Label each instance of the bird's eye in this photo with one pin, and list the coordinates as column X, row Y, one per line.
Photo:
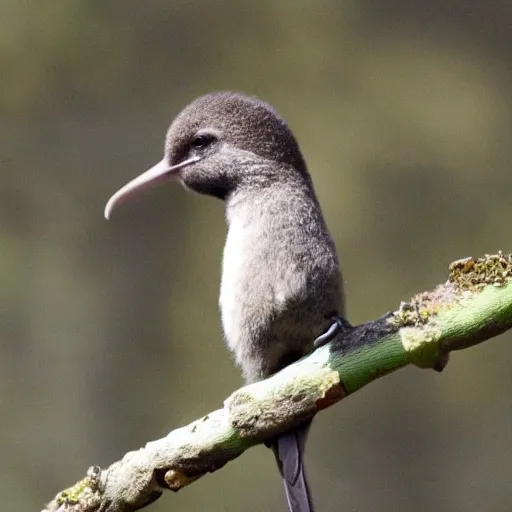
column 202, row 141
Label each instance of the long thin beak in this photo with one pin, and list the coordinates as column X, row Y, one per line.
column 148, row 179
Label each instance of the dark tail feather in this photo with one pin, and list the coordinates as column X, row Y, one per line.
column 289, row 452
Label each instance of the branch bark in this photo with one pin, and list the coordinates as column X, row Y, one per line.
column 473, row 305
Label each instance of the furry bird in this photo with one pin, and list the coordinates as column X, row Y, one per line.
column 281, row 282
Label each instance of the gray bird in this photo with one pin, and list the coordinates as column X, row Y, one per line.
column 281, row 283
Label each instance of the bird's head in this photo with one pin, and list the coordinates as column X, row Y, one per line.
column 219, row 143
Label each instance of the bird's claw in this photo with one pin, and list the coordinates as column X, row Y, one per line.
column 337, row 325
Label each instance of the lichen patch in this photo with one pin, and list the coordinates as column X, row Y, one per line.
column 474, row 274
column 467, row 276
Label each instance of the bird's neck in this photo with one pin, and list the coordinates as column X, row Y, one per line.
column 272, row 186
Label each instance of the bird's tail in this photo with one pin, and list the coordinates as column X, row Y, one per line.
column 289, row 452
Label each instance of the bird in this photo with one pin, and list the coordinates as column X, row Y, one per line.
column 281, row 291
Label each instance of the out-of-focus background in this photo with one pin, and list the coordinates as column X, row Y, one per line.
column 110, row 334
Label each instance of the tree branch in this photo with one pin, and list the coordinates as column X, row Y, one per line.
column 475, row 304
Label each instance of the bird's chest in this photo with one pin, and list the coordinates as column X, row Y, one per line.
column 235, row 266
column 254, row 287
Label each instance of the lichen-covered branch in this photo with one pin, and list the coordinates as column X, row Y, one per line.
column 473, row 305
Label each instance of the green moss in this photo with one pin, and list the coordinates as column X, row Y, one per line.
column 422, row 307
column 83, row 491
column 419, row 319
column 474, row 274
column 467, row 275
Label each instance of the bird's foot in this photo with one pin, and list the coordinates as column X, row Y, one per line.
column 338, row 324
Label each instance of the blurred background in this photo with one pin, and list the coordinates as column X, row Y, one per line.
column 110, row 334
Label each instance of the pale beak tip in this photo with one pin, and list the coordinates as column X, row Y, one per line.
column 108, row 209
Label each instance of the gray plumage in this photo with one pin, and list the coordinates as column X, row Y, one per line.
column 281, row 283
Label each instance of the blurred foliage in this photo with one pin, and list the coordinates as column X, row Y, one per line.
column 404, row 112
